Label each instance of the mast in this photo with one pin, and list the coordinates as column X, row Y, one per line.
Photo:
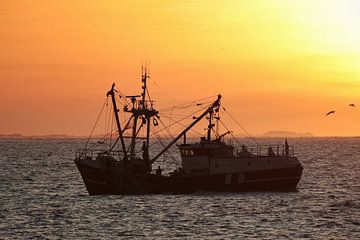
column 132, row 149
column 145, row 76
column 116, row 111
column 141, row 108
column 209, row 110
column 143, row 79
column 210, row 125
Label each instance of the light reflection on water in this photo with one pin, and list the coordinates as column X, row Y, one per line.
column 42, row 195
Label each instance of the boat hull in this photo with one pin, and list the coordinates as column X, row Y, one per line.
column 113, row 180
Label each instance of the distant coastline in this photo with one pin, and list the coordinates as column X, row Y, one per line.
column 278, row 133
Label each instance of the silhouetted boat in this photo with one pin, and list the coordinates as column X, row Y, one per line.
column 209, row 164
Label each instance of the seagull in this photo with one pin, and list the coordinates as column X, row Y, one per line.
column 352, row 105
column 331, row 112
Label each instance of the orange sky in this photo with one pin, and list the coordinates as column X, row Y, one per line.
column 279, row 64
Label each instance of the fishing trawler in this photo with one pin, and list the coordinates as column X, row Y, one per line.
column 208, row 164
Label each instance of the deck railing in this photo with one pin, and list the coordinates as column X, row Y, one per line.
column 93, row 153
column 267, row 150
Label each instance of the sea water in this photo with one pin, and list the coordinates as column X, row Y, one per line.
column 42, row 196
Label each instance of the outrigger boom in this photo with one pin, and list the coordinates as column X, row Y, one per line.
column 116, row 110
column 210, row 110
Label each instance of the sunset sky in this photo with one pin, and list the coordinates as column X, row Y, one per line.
column 279, row 64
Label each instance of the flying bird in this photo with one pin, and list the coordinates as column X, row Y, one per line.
column 331, row 112
column 352, row 105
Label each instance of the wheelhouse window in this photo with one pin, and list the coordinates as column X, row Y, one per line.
column 188, row 152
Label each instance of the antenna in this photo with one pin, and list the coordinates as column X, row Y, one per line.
column 143, row 80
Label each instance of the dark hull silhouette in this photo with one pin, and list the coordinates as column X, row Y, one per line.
column 113, row 180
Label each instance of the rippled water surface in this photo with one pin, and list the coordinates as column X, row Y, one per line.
column 42, row 196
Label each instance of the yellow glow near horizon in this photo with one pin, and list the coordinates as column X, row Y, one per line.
column 302, row 57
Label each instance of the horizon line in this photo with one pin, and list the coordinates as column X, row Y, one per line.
column 69, row 136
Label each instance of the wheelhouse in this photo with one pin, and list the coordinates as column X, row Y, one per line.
column 206, row 148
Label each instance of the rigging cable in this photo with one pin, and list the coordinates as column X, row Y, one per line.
column 183, row 125
column 188, row 104
column 164, row 91
column 174, row 161
column 230, row 133
column 186, row 117
column 96, row 122
column 167, row 129
column 246, row 132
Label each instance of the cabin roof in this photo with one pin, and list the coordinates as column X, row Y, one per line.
column 205, row 144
